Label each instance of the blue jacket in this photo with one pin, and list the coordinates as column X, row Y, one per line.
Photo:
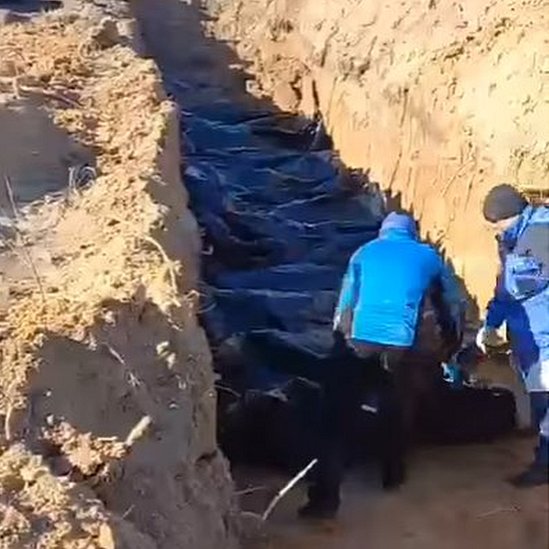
column 521, row 298
column 386, row 283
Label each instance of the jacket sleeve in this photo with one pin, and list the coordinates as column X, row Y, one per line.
column 449, row 305
column 496, row 313
column 498, row 307
column 451, row 293
column 348, row 296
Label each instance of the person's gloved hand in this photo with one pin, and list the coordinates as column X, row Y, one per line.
column 488, row 337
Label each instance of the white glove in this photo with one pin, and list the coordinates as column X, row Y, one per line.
column 488, row 337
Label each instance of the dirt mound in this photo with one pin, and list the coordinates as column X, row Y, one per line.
column 440, row 100
column 49, row 511
column 106, row 387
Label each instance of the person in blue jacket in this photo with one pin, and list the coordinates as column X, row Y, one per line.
column 389, row 287
column 521, row 300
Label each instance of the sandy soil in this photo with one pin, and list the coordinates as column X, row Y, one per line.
column 106, row 398
column 456, row 497
column 439, row 100
column 107, row 405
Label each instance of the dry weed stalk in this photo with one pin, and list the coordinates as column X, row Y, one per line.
column 132, row 378
column 167, row 261
column 20, row 248
column 7, row 422
column 45, row 93
column 77, row 176
column 251, row 490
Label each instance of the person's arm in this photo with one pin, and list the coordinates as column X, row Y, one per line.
column 449, row 305
column 348, row 296
column 496, row 312
column 451, row 292
column 498, row 307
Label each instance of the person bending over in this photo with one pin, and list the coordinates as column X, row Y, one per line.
column 521, row 300
column 390, row 290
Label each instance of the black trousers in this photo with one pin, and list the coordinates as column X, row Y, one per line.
column 399, row 383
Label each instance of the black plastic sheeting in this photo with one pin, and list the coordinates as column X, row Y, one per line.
column 280, row 218
column 279, row 226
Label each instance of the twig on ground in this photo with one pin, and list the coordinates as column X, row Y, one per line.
column 9, row 190
column 499, row 510
column 251, row 514
column 21, row 244
column 126, row 513
column 227, row 390
column 138, row 431
column 132, row 378
column 251, row 490
column 287, row 488
column 50, row 95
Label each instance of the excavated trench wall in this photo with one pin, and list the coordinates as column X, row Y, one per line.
column 107, row 404
column 440, row 101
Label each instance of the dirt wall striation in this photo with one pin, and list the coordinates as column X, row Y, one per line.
column 440, row 101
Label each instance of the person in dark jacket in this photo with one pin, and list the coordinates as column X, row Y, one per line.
column 391, row 286
column 521, row 300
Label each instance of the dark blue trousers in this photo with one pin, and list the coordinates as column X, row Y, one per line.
column 540, row 412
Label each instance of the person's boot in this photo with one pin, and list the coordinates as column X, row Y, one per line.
column 393, row 474
column 316, row 511
column 536, row 475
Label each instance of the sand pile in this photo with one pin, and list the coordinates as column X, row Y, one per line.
column 107, row 405
column 440, row 101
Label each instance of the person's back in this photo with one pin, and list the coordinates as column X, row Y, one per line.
column 387, row 283
column 377, row 321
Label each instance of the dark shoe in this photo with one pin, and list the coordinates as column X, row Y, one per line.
column 312, row 511
column 535, row 475
column 393, row 476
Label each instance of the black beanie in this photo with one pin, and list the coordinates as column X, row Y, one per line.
column 503, row 202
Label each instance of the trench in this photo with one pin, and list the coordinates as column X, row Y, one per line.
column 280, row 215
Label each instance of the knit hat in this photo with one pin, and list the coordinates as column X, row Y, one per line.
column 503, row 202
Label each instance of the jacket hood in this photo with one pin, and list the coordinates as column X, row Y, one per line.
column 399, row 223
